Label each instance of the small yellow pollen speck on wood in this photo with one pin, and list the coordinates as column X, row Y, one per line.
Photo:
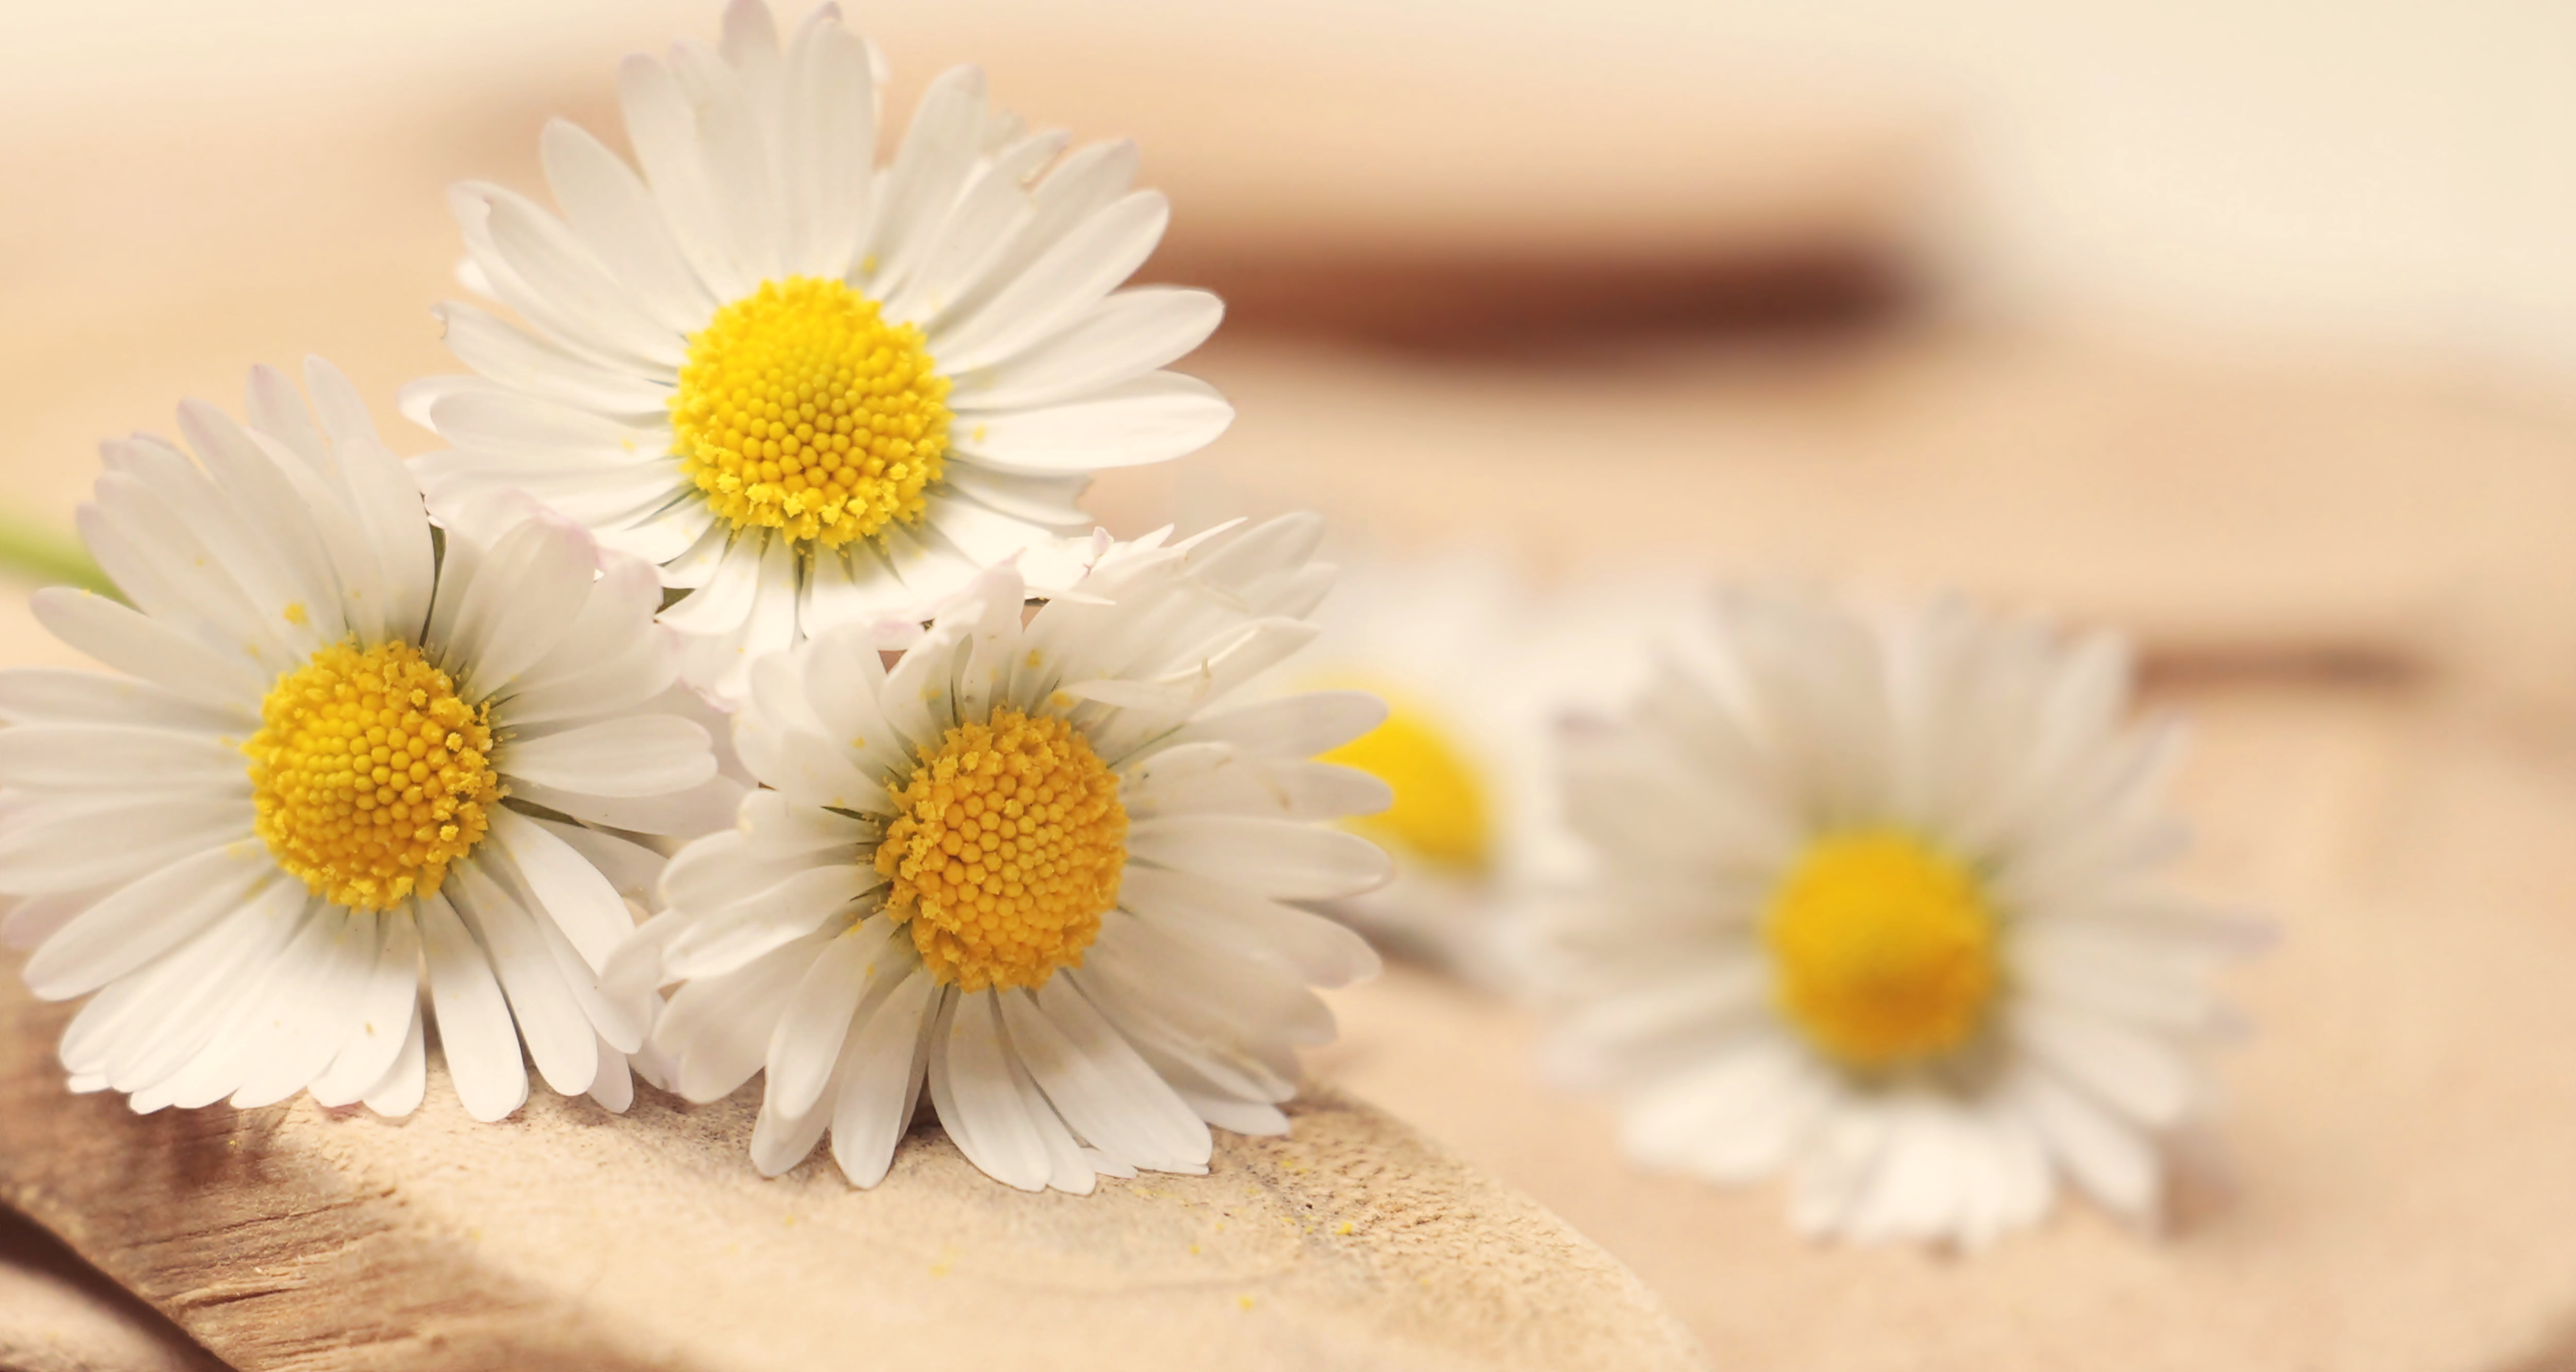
column 1007, row 847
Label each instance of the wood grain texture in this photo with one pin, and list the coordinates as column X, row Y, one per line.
column 58, row 1314
column 296, row 1238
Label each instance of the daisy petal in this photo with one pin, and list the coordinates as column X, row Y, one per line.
column 718, row 1028
column 387, row 1006
column 475, row 1031
column 636, row 755
column 613, row 213
column 1099, row 1084
column 886, row 1063
column 1116, row 340
column 313, row 1019
column 569, row 892
column 107, row 843
column 1075, row 274
column 76, row 758
column 559, row 1036
column 1153, row 418
column 663, row 132
column 143, row 920
column 979, row 1104
column 400, row 1090
column 1274, row 858
column 530, row 364
column 144, row 647
column 831, row 136
column 2105, row 1157
column 62, row 695
column 1296, row 726
column 806, row 1046
column 937, row 154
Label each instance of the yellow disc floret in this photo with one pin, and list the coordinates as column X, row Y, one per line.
column 1439, row 809
column 800, row 408
column 370, row 775
column 1883, row 949
column 1006, row 851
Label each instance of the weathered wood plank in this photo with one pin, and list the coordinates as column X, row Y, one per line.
column 57, row 1314
column 296, row 1238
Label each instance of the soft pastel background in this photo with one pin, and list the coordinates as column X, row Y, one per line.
column 2248, row 327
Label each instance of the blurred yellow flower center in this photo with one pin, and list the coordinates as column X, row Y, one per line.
column 800, row 408
column 370, row 775
column 1006, row 852
column 1439, row 810
column 1883, row 949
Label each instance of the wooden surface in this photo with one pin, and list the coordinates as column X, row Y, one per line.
column 2280, row 509
column 58, row 1314
column 296, row 1238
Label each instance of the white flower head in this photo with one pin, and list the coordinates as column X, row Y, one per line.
column 1041, row 869
column 1883, row 904
column 1476, row 664
column 343, row 763
column 813, row 390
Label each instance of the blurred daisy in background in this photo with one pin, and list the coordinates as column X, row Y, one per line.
column 1045, row 872
column 1882, row 904
column 813, row 390
column 344, row 761
column 1476, row 665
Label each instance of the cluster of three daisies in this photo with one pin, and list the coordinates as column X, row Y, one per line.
column 718, row 606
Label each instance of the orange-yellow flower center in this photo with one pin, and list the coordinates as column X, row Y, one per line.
column 1006, row 852
column 1439, row 811
column 800, row 408
column 370, row 775
column 1883, row 949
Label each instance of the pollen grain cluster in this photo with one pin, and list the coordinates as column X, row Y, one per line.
column 1883, row 949
column 801, row 409
column 1006, row 852
column 370, row 775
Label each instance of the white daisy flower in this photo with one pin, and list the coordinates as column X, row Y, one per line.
column 1476, row 665
column 1038, row 868
column 1883, row 904
column 344, row 763
column 813, row 390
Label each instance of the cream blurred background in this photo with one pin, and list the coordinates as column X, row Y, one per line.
column 2387, row 172
column 2249, row 327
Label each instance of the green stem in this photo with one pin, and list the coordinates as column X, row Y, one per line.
column 31, row 553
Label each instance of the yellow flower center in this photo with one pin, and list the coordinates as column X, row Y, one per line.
column 370, row 775
column 800, row 408
column 1439, row 810
column 1883, row 949
column 1006, row 852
